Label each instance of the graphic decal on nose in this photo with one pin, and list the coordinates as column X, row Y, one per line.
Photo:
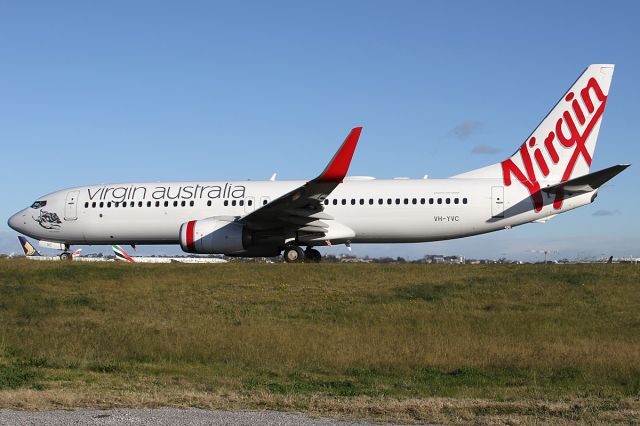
column 48, row 220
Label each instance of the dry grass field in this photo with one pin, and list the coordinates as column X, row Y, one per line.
column 409, row 343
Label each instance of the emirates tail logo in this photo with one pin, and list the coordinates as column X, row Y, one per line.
column 571, row 133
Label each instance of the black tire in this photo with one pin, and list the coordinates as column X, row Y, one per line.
column 65, row 256
column 293, row 254
column 313, row 255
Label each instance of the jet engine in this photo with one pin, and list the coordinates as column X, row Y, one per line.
column 214, row 236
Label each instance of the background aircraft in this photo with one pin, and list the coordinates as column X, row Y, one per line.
column 122, row 256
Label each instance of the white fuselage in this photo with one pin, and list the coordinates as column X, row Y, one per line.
column 378, row 211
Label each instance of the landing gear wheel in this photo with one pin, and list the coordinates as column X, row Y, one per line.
column 65, row 256
column 313, row 255
column 293, row 254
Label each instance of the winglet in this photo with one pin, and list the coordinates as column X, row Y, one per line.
column 337, row 168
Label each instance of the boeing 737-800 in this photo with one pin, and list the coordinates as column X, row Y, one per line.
column 547, row 175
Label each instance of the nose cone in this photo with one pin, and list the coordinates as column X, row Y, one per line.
column 15, row 221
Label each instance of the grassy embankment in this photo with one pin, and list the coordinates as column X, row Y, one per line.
column 389, row 342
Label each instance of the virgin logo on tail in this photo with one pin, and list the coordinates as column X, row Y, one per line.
column 571, row 132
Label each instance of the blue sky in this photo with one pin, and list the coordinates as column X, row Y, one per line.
column 94, row 92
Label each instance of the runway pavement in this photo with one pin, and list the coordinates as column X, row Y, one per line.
column 163, row 416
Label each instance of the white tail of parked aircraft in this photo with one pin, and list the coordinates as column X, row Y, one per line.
column 548, row 174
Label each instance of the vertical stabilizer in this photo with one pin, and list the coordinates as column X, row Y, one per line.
column 121, row 255
column 563, row 144
column 27, row 248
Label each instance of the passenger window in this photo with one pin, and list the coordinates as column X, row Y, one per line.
column 233, row 202
column 157, row 203
column 132, row 204
column 109, row 204
column 191, row 203
column 406, row 201
column 139, row 203
column 116, row 204
column 370, row 201
column 175, row 204
column 264, row 202
column 226, row 202
column 448, row 201
column 86, row 205
column 344, row 202
column 389, row 201
column 326, row 202
column 183, row 203
column 124, row 204
column 148, row 203
column 93, row 205
column 209, row 203
column 166, row 204
column 439, row 200
column 241, row 202
column 380, row 201
column 353, row 201
column 430, row 200
column 335, row 201
column 464, row 201
column 422, row 200
column 397, row 200
column 414, row 201
column 101, row 204
column 361, row 201
column 455, row 201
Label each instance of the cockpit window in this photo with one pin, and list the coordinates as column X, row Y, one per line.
column 38, row 204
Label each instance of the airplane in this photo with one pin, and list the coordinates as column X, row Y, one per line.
column 31, row 253
column 547, row 175
column 122, row 256
column 629, row 259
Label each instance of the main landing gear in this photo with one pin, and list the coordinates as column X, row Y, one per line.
column 294, row 254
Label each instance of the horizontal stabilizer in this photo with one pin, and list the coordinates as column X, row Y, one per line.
column 586, row 183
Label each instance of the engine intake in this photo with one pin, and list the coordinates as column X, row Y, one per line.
column 213, row 236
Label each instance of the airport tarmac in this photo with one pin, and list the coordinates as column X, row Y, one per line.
column 165, row 416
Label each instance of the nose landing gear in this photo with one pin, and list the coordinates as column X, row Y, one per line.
column 65, row 255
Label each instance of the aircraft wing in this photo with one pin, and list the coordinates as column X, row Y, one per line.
column 587, row 183
column 302, row 209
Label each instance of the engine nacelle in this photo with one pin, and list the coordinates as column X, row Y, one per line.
column 213, row 236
